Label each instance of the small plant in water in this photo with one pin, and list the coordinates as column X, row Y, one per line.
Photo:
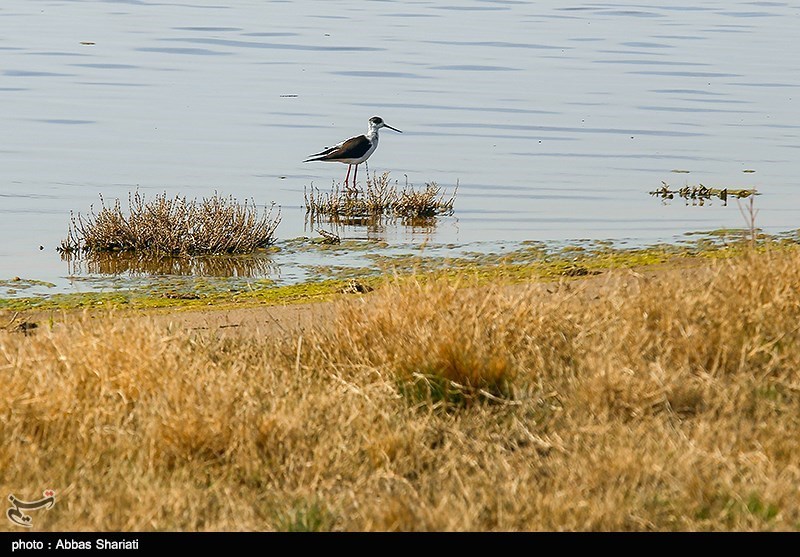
column 699, row 194
column 749, row 214
column 173, row 226
column 380, row 197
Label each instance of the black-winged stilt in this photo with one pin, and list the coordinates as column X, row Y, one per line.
column 355, row 150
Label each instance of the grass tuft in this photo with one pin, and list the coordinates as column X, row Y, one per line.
column 415, row 331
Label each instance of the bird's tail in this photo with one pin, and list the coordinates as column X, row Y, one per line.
column 321, row 156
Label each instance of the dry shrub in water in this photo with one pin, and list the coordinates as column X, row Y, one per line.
column 622, row 402
column 173, row 226
column 425, row 203
column 380, row 197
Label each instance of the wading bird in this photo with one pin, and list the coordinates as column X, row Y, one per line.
column 355, row 150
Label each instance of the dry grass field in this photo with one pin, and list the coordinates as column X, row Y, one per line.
column 666, row 401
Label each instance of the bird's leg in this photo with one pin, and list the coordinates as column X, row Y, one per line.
column 347, row 178
column 351, row 189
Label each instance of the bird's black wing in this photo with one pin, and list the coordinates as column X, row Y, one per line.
column 349, row 149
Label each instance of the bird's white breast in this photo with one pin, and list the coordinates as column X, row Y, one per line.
column 372, row 147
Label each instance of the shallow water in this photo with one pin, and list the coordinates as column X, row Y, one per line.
column 555, row 119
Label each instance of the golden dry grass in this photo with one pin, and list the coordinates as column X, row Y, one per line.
column 667, row 402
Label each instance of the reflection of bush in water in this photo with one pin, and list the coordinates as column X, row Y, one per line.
column 373, row 223
column 111, row 263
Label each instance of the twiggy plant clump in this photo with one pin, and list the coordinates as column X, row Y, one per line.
column 380, row 197
column 173, row 226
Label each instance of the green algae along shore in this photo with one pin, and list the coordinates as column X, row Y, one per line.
column 531, row 261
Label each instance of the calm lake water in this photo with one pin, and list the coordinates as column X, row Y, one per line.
column 555, row 118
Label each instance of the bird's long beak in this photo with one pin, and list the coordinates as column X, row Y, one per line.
column 391, row 128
